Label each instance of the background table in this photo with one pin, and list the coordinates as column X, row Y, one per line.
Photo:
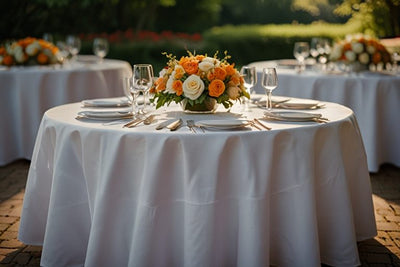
column 374, row 98
column 103, row 195
column 27, row 92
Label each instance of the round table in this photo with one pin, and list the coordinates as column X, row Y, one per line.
column 374, row 98
column 27, row 92
column 99, row 194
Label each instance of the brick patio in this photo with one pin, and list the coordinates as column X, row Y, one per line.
column 383, row 250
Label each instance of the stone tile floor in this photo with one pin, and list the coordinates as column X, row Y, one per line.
column 383, row 250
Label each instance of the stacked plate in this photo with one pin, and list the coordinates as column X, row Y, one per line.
column 104, row 115
column 106, row 102
column 292, row 116
column 223, row 124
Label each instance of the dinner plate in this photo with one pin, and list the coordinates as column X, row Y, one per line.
column 292, row 116
column 274, row 99
column 104, row 115
column 304, row 104
column 106, row 102
column 223, row 124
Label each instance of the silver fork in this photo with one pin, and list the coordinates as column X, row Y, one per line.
column 190, row 125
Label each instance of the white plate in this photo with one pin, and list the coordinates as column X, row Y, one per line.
column 275, row 100
column 304, row 104
column 104, row 115
column 106, row 102
column 223, row 124
column 292, row 116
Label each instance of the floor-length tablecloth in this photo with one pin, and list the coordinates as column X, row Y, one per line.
column 297, row 195
column 374, row 98
column 27, row 92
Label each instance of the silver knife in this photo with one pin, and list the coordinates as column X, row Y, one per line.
column 175, row 125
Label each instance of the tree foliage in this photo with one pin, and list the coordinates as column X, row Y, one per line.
column 379, row 16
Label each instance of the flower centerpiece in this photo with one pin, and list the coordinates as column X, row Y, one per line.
column 199, row 82
column 29, row 51
column 361, row 51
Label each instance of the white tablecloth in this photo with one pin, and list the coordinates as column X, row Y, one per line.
column 297, row 195
column 374, row 98
column 27, row 92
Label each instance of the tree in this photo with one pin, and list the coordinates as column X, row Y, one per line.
column 380, row 16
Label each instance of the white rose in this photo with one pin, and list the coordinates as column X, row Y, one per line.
column 350, row 55
column 193, row 87
column 19, row 56
column 212, row 60
column 371, row 49
column 233, row 92
column 169, row 84
column 336, row 52
column 162, row 72
column 363, row 58
column 357, row 48
column 206, row 66
column 32, row 49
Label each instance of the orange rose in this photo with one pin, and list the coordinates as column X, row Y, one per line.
column 235, row 80
column 210, row 76
column 8, row 60
column 216, row 88
column 229, row 69
column 220, row 73
column 376, row 58
column 346, row 47
column 191, row 66
column 200, row 57
column 42, row 58
column 160, row 84
column 177, row 86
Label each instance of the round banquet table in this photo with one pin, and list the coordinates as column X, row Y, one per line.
column 99, row 194
column 27, row 92
column 374, row 98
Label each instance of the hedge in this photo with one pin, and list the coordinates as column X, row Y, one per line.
column 245, row 43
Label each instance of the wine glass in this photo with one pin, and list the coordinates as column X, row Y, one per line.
column 48, row 37
column 130, row 94
column 269, row 82
column 249, row 75
column 74, row 45
column 100, row 47
column 301, row 51
column 142, row 81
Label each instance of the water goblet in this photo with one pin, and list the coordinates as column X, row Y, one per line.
column 249, row 75
column 131, row 94
column 100, row 47
column 142, row 81
column 301, row 51
column 269, row 81
column 48, row 37
column 74, row 45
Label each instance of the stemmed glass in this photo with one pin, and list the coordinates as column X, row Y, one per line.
column 269, row 82
column 131, row 94
column 100, row 47
column 74, row 45
column 301, row 51
column 249, row 75
column 142, row 81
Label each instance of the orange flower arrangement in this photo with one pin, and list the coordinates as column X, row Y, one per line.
column 197, row 78
column 362, row 49
column 29, row 51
